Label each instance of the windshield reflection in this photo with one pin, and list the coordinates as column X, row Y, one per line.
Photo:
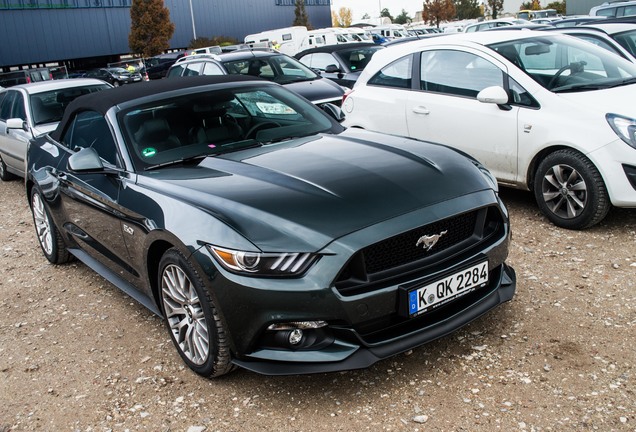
column 563, row 63
column 199, row 123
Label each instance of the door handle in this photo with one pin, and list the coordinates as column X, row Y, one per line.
column 421, row 110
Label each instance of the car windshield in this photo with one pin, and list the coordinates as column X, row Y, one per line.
column 203, row 122
column 563, row 63
column 48, row 107
column 356, row 59
column 627, row 40
column 281, row 69
column 117, row 70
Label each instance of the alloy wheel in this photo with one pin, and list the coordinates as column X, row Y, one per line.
column 185, row 315
column 42, row 224
column 564, row 191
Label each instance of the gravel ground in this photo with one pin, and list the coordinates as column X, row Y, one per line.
column 78, row 355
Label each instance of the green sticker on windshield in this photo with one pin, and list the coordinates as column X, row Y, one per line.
column 148, row 152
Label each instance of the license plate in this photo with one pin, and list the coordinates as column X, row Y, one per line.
column 442, row 291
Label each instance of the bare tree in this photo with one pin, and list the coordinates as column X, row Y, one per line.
column 494, row 6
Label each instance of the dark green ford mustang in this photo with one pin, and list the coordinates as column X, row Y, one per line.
column 264, row 233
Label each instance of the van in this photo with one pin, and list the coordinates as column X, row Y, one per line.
column 215, row 49
column 287, row 40
column 391, row 31
column 614, row 9
column 25, row 76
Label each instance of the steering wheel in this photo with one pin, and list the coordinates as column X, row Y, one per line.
column 574, row 68
column 258, row 126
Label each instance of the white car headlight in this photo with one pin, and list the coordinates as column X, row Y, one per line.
column 624, row 127
column 263, row 264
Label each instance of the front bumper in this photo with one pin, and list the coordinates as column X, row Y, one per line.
column 360, row 354
column 617, row 164
column 364, row 322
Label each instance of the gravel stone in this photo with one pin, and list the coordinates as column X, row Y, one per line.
column 76, row 354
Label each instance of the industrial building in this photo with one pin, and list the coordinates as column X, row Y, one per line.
column 81, row 34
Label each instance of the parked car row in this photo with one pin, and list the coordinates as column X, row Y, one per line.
column 277, row 235
column 115, row 75
column 269, row 65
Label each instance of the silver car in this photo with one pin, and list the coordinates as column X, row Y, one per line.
column 28, row 110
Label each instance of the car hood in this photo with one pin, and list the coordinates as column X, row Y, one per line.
column 302, row 194
column 618, row 100
column 318, row 90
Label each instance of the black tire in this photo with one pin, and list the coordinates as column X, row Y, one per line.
column 49, row 238
column 570, row 190
column 4, row 174
column 194, row 324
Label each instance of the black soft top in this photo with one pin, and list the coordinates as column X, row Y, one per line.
column 104, row 100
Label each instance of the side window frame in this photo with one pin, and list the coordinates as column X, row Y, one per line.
column 6, row 109
column 465, row 76
column 19, row 110
column 77, row 136
column 379, row 79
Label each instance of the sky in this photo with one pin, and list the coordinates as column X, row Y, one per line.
column 373, row 7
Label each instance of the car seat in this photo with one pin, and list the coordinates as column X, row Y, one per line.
column 214, row 124
column 156, row 134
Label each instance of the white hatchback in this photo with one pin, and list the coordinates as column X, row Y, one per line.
column 544, row 112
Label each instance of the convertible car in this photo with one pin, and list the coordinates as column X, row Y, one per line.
column 264, row 233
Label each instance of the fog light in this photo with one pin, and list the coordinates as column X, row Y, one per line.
column 295, row 336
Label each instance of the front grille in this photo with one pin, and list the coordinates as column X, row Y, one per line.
column 400, row 250
column 397, row 259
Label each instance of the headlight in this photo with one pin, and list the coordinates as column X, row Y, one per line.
column 624, row 127
column 263, row 264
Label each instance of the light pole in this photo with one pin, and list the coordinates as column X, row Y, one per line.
column 194, row 30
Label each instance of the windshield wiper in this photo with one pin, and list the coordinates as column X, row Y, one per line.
column 594, row 86
column 623, row 82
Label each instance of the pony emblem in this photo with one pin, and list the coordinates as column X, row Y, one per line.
column 429, row 240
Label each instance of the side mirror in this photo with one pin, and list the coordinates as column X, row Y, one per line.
column 494, row 95
column 332, row 68
column 334, row 111
column 85, row 160
column 17, row 123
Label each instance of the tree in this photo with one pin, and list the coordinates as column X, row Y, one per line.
column 558, row 5
column 366, row 16
column 467, row 9
column 494, row 6
column 300, row 15
column 403, row 18
column 385, row 13
column 531, row 5
column 436, row 11
column 342, row 18
column 151, row 28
